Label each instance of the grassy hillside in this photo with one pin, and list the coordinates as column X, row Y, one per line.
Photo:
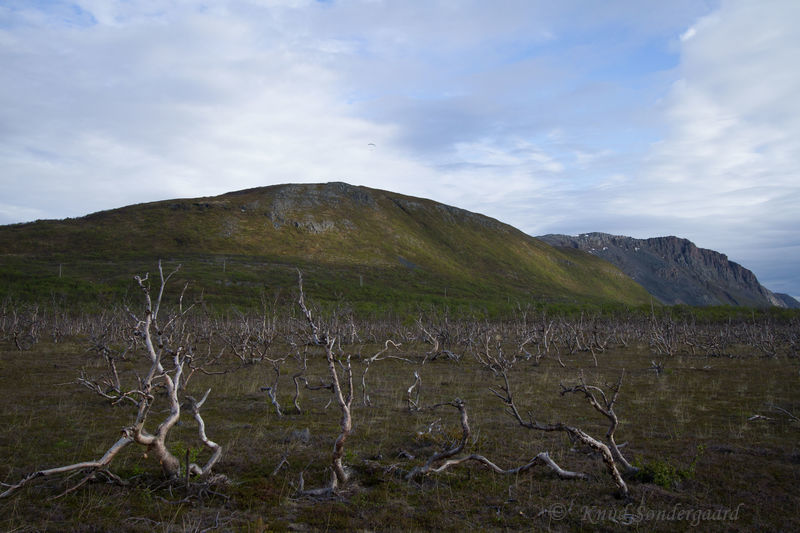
column 371, row 248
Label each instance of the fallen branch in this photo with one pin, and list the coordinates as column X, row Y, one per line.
column 92, row 466
column 444, row 458
column 543, row 458
column 504, row 394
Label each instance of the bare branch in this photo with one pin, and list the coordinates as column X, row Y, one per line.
column 458, row 403
column 543, row 458
column 370, row 360
column 413, row 403
column 195, row 406
column 88, row 465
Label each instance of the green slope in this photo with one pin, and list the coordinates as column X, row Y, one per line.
column 366, row 246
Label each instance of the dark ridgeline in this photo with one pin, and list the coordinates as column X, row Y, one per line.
column 676, row 271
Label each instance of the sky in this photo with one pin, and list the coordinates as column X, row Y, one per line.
column 633, row 117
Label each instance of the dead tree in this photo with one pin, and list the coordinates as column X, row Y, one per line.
column 108, row 342
column 5, row 319
column 413, row 390
column 377, row 357
column 299, row 377
column 194, row 406
column 24, row 326
column 663, row 336
column 342, row 395
column 438, row 457
column 571, row 336
column 577, row 434
column 250, row 339
column 604, row 405
column 440, row 338
column 164, row 342
column 93, row 467
column 57, row 320
column 761, row 335
column 344, row 400
column 443, row 460
column 499, row 365
column 491, row 355
column 272, row 391
column 540, row 337
column 157, row 345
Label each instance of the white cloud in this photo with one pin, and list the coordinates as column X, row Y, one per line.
column 732, row 149
column 541, row 114
column 147, row 100
column 724, row 173
column 734, row 114
column 198, row 105
column 688, row 34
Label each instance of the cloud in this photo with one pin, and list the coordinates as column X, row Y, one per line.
column 143, row 106
column 566, row 117
column 730, row 160
column 109, row 102
column 724, row 171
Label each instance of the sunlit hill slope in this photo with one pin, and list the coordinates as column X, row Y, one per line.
column 373, row 249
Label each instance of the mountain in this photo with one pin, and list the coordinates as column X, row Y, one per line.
column 358, row 245
column 788, row 301
column 674, row 270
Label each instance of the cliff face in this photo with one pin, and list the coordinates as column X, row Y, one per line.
column 674, row 270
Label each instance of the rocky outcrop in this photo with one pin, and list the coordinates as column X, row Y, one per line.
column 674, row 270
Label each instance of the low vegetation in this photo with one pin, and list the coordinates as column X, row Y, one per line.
column 314, row 417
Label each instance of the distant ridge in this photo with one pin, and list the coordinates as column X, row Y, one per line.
column 362, row 245
column 790, row 302
column 676, row 271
